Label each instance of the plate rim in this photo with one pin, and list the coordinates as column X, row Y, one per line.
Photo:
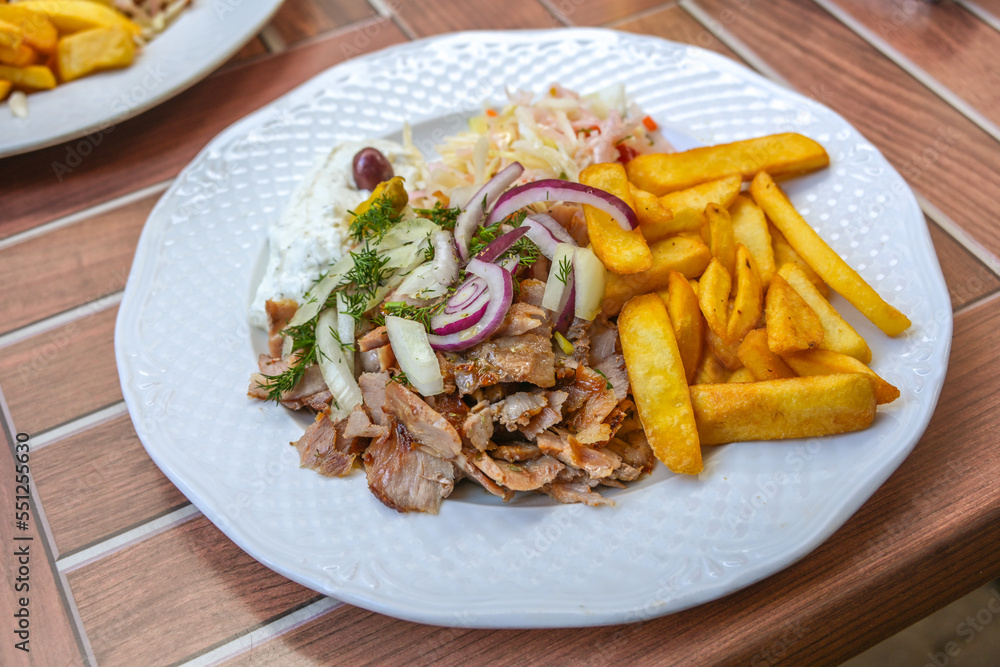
column 520, row 618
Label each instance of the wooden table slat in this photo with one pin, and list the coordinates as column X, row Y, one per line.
column 177, row 594
column 63, row 374
column 98, row 483
column 70, row 266
column 50, row 639
column 597, row 12
column 298, row 20
column 675, row 24
column 943, row 39
column 432, row 17
column 936, row 149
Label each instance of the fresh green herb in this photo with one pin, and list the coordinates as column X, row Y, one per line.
column 372, row 225
column 429, row 250
column 303, row 355
column 607, row 382
column 368, row 273
column 422, row 314
column 623, row 140
column 526, row 250
column 563, row 176
column 484, row 205
column 355, row 305
column 565, row 266
column 442, row 216
column 400, row 378
column 344, row 347
column 483, row 237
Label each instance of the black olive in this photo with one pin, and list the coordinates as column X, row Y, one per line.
column 371, row 168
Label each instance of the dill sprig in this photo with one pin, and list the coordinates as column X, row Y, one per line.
column 442, row 216
column 565, row 266
column 373, row 223
column 422, row 314
column 303, row 355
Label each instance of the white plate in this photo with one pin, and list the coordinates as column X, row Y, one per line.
column 203, row 37
column 185, row 353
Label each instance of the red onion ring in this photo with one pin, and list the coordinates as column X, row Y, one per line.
column 501, row 244
column 500, row 286
column 541, row 232
column 554, row 189
column 474, row 212
column 567, row 306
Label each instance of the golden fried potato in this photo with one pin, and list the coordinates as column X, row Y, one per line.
column 710, row 370
column 827, row 362
column 723, row 350
column 659, row 387
column 741, row 375
column 839, row 336
column 19, row 56
column 35, row 28
column 32, row 77
column 71, row 16
column 90, row 51
column 758, row 359
column 5, row 87
column 749, row 302
column 791, row 324
column 722, row 241
column 689, row 325
column 800, row 407
column 688, row 207
column 648, row 209
column 750, row 229
column 713, row 296
column 621, row 251
column 785, row 254
column 822, row 258
column 687, row 256
column 786, row 154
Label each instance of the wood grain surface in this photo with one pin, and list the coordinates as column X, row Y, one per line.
column 99, row 483
column 127, row 572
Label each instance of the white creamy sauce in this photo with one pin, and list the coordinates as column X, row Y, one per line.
column 313, row 231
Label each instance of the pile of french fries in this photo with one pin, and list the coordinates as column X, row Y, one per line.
column 45, row 42
column 722, row 306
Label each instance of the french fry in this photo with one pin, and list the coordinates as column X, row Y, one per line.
column 785, row 254
column 4, row 89
column 791, row 324
column 780, row 154
column 750, row 229
column 826, row 362
column 71, row 16
column 659, row 387
column 749, row 302
column 34, row 77
column 689, row 325
column 722, row 241
column 21, row 56
column 713, row 296
column 758, row 359
column 821, row 257
column 687, row 256
column 648, row 209
column 35, row 27
column 619, row 250
column 723, row 350
column 779, row 409
column 741, row 375
column 710, row 370
column 93, row 50
column 688, row 207
column 839, row 336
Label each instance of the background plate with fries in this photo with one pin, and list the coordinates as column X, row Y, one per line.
column 203, row 37
column 671, row 541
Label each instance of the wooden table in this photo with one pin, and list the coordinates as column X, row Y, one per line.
column 124, row 571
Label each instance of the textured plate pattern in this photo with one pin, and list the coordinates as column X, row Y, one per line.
column 185, row 352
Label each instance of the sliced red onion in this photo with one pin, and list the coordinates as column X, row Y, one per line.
column 501, row 244
column 500, row 286
column 474, row 212
column 567, row 306
column 540, row 232
column 554, row 189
